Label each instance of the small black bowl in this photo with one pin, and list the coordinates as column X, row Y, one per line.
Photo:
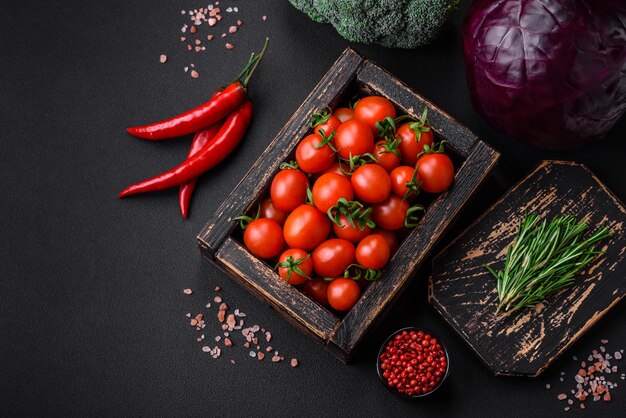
column 394, row 390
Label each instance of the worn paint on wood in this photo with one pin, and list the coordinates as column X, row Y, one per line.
column 341, row 335
column 525, row 342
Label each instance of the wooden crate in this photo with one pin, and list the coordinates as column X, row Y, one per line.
column 350, row 74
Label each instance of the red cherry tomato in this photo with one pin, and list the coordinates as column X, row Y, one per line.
column 347, row 231
column 311, row 159
column 353, row 138
column 343, row 114
column 264, row 238
column 329, row 188
column 409, row 146
column 334, row 168
column 387, row 160
column 373, row 109
column 288, row 189
column 317, row 289
column 392, row 239
column 306, row 227
column 326, row 128
column 371, row 183
column 400, row 176
column 332, row 257
column 271, row 211
column 373, row 252
column 391, row 213
column 343, row 294
column 436, row 172
column 299, row 260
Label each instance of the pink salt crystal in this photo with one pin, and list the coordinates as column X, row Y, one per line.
column 264, row 18
column 220, row 316
column 294, row 362
column 187, row 291
column 217, row 299
column 230, row 321
column 198, row 41
column 209, row 37
column 212, row 21
column 275, row 359
column 561, row 397
column 217, row 288
column 239, row 22
column 223, row 35
column 183, row 39
column 229, row 46
column 162, row 58
column 232, row 361
column 260, row 355
column 617, row 355
column 232, row 29
column 223, row 307
column 228, row 342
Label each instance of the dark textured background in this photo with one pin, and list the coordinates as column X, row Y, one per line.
column 92, row 315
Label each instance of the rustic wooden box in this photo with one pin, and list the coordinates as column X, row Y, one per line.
column 350, row 74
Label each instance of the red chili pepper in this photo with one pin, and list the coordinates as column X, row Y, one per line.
column 222, row 144
column 206, row 114
column 186, row 190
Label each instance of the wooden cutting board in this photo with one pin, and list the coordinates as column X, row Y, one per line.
column 525, row 342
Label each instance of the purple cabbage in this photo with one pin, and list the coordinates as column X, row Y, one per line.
column 551, row 73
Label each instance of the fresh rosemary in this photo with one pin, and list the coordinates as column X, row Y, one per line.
column 543, row 259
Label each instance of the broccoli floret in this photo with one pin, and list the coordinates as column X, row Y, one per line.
column 391, row 23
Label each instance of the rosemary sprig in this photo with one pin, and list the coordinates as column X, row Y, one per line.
column 544, row 258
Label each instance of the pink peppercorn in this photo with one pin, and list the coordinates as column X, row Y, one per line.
column 413, row 362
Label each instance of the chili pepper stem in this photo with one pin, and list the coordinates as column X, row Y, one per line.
column 252, row 65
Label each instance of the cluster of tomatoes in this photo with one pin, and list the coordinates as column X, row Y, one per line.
column 334, row 214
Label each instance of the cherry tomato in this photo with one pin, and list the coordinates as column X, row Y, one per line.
column 332, row 257
column 387, row 160
column 326, row 128
column 343, row 293
column 373, row 109
column 390, row 237
column 299, row 260
column 264, row 238
column 343, row 114
column 371, row 183
column 288, row 189
column 271, row 211
column 334, row 168
column 436, row 172
column 391, row 213
column 329, row 188
column 306, row 227
column 346, row 231
column 373, row 252
column 353, row 138
column 409, row 145
column 400, row 176
column 311, row 159
column 316, row 289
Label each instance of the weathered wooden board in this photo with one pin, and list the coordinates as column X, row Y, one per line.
column 341, row 334
column 525, row 342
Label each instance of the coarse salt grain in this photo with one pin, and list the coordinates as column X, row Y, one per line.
column 294, row 362
column 264, row 18
column 217, row 288
column 163, row 58
column 187, row 291
column 232, row 29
